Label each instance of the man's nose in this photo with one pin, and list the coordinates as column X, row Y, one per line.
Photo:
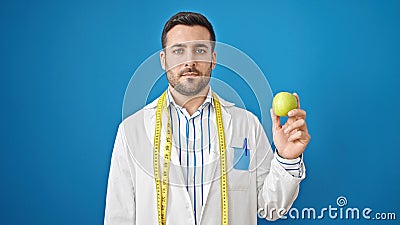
column 190, row 63
column 190, row 60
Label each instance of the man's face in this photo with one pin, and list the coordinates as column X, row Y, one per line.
column 188, row 59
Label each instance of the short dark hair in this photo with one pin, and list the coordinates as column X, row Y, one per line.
column 189, row 19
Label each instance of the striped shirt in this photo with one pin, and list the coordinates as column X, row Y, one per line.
column 194, row 137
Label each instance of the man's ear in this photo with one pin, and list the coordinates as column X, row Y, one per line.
column 214, row 60
column 162, row 59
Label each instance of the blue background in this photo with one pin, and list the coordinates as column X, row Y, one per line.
column 65, row 65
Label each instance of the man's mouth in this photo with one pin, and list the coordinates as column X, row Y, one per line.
column 190, row 74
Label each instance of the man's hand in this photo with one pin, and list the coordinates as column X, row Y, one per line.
column 292, row 138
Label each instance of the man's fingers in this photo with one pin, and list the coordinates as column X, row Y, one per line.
column 300, row 113
column 298, row 100
column 299, row 135
column 276, row 120
column 293, row 137
column 298, row 124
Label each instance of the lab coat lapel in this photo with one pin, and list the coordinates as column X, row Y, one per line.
column 150, row 118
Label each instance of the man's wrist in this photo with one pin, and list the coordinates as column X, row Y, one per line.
column 283, row 157
column 277, row 152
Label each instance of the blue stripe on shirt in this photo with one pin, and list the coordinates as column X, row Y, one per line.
column 194, row 171
column 209, row 135
column 187, row 153
column 179, row 137
column 292, row 169
column 202, row 154
column 172, row 122
column 289, row 163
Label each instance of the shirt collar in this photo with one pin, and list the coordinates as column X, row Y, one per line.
column 208, row 100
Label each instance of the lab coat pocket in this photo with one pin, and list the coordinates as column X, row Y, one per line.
column 238, row 173
column 241, row 158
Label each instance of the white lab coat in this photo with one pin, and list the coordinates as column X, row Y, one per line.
column 131, row 193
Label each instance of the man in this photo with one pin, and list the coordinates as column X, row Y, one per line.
column 191, row 157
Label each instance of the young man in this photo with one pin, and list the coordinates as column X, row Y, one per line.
column 191, row 157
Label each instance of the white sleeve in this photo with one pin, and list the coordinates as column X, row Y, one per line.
column 277, row 188
column 120, row 200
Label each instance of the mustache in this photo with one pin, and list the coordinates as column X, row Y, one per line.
column 189, row 70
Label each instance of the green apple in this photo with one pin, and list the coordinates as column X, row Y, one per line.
column 283, row 102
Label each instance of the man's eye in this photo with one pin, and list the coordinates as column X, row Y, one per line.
column 200, row 51
column 178, row 51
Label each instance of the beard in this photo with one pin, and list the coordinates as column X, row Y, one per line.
column 190, row 86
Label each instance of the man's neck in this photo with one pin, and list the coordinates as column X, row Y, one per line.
column 190, row 103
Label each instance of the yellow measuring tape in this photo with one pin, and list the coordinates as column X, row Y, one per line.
column 223, row 170
column 162, row 183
